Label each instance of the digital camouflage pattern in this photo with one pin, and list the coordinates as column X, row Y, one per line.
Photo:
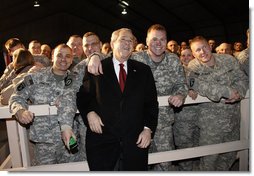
column 45, row 88
column 8, row 75
column 218, row 122
column 170, row 80
column 186, row 131
column 243, row 58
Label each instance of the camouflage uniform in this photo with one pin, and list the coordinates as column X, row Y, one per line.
column 76, row 60
column 186, row 132
column 170, row 80
column 79, row 70
column 45, row 131
column 243, row 58
column 79, row 126
column 7, row 77
column 218, row 122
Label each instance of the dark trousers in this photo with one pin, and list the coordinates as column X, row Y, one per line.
column 106, row 152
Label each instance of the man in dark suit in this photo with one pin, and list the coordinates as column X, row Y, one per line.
column 121, row 118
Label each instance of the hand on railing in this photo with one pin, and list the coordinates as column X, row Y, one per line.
column 25, row 116
column 176, row 100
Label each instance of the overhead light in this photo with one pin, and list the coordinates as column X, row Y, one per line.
column 125, row 3
column 124, row 12
column 36, row 4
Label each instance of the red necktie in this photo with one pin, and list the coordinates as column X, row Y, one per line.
column 122, row 77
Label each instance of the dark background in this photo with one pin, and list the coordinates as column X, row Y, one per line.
column 55, row 20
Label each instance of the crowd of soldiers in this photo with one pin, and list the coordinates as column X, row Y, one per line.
column 179, row 71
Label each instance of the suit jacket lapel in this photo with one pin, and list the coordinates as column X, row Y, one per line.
column 109, row 70
column 130, row 80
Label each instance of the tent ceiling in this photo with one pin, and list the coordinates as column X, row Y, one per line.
column 55, row 20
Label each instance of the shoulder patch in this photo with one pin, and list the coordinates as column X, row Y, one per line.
column 29, row 81
column 21, row 86
column 26, row 82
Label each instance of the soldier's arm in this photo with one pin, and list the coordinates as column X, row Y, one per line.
column 215, row 91
column 18, row 101
column 67, row 107
column 6, row 78
column 94, row 64
column 209, row 88
column 180, row 86
column 7, row 72
column 240, row 81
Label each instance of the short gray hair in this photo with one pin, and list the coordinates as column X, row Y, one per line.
column 44, row 60
column 116, row 33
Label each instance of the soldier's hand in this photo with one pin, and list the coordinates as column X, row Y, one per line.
column 235, row 96
column 193, row 94
column 176, row 100
column 94, row 65
column 24, row 116
column 67, row 133
column 94, row 122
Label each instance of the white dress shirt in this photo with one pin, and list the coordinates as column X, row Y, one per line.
column 117, row 67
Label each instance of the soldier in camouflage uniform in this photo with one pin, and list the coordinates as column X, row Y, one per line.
column 11, row 45
column 91, row 44
column 185, row 128
column 244, row 56
column 51, row 85
column 75, row 43
column 169, row 79
column 219, row 78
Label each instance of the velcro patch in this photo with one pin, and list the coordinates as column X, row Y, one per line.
column 21, row 86
column 68, row 81
column 192, row 81
column 26, row 82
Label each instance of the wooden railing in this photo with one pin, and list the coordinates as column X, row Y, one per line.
column 19, row 159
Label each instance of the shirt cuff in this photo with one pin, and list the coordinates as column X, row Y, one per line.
column 145, row 127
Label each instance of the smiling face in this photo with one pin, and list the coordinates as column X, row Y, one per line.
column 202, row 51
column 62, row 59
column 34, row 47
column 224, row 48
column 186, row 56
column 122, row 44
column 172, row 46
column 156, row 41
